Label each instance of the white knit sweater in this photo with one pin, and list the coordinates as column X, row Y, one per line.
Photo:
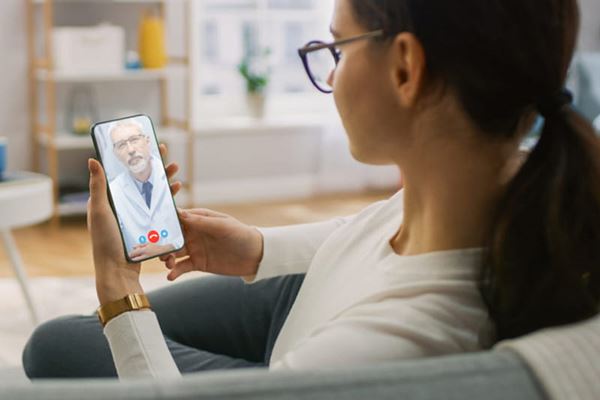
column 360, row 302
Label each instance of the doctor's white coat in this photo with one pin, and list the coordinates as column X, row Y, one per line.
column 136, row 219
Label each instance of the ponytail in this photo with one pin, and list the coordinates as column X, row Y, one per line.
column 543, row 262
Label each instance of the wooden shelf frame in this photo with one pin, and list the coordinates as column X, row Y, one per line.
column 43, row 76
column 41, row 2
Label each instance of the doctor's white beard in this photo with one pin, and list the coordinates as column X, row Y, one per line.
column 139, row 167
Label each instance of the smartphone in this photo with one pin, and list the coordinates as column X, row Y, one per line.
column 138, row 187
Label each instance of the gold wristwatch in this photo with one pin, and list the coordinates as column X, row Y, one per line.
column 131, row 302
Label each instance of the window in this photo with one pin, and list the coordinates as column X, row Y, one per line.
column 227, row 30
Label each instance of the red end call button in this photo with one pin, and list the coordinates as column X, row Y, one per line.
column 153, row 237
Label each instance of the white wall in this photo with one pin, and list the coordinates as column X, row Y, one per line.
column 590, row 25
column 14, row 107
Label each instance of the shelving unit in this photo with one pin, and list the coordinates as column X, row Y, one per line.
column 126, row 75
column 52, row 142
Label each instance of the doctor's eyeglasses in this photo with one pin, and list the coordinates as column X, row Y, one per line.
column 121, row 145
column 320, row 59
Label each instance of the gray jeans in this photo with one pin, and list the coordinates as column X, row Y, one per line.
column 209, row 323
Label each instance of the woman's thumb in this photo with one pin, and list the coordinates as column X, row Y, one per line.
column 97, row 181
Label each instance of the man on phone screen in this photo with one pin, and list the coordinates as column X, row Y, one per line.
column 141, row 195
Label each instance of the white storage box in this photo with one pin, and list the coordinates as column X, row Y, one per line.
column 89, row 49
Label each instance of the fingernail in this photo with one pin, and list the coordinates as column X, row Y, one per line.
column 182, row 213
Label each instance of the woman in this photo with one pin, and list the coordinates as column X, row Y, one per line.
column 446, row 91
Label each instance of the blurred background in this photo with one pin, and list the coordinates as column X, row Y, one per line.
column 235, row 142
column 233, row 147
column 225, row 87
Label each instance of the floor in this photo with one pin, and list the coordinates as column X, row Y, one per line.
column 65, row 250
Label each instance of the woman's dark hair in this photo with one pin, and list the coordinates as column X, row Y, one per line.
column 505, row 59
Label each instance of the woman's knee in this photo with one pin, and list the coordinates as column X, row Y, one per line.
column 68, row 347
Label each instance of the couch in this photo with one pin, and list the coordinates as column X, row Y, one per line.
column 490, row 375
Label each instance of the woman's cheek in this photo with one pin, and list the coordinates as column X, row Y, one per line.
column 331, row 78
column 345, row 88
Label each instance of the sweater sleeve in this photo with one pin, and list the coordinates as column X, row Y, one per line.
column 566, row 360
column 290, row 249
column 138, row 347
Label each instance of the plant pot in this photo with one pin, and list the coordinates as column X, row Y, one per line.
column 256, row 104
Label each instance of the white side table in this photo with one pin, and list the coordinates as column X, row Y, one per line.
column 25, row 199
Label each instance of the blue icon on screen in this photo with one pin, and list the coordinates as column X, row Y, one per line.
column 164, row 233
column 142, row 239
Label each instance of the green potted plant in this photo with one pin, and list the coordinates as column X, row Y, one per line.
column 257, row 80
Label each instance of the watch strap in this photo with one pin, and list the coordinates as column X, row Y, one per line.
column 131, row 302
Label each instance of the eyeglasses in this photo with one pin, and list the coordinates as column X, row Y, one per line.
column 121, row 145
column 320, row 59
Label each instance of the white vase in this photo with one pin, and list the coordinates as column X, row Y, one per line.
column 256, row 104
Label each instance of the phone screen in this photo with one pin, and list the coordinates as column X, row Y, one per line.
column 138, row 187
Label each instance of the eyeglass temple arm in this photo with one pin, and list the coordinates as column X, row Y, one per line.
column 308, row 49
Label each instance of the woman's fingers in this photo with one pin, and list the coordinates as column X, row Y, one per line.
column 165, row 257
column 175, row 187
column 162, row 148
column 199, row 223
column 170, row 262
column 171, row 170
column 182, row 267
column 179, row 254
column 137, row 253
column 205, row 212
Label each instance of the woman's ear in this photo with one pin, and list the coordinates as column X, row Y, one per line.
column 409, row 63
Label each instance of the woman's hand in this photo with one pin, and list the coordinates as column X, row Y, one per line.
column 216, row 243
column 144, row 251
column 115, row 277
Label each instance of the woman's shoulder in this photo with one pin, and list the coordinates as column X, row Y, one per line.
column 392, row 205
